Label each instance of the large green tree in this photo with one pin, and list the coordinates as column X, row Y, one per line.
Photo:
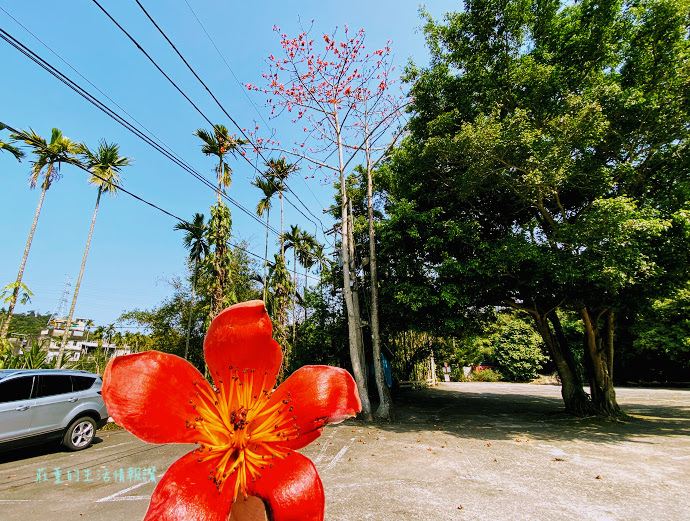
column 45, row 168
column 546, row 168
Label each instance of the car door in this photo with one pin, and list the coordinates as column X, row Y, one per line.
column 54, row 401
column 16, row 407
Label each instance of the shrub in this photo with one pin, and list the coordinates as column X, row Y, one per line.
column 519, row 352
column 485, row 375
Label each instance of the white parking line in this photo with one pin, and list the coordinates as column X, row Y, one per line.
column 116, row 495
column 111, row 446
column 324, row 446
column 338, row 457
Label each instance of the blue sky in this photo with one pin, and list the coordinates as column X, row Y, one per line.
column 134, row 248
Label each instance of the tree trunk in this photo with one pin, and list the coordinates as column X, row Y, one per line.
column 355, row 292
column 268, row 217
column 191, row 311
column 385, row 401
column 599, row 353
column 574, row 397
column 353, row 322
column 294, row 297
column 282, row 230
column 15, row 293
column 222, row 222
column 283, row 314
column 65, row 335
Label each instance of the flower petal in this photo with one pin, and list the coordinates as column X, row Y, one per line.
column 150, row 395
column 317, row 394
column 291, row 490
column 240, row 337
column 185, row 493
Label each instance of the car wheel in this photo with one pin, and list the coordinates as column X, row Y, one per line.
column 80, row 433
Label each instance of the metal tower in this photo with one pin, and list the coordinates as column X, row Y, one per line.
column 60, row 309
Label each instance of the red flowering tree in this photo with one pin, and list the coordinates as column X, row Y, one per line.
column 245, row 431
column 340, row 95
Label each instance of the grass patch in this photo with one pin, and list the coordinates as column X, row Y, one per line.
column 111, row 426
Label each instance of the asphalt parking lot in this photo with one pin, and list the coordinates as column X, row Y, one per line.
column 465, row 451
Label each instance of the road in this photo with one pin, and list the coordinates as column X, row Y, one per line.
column 465, row 451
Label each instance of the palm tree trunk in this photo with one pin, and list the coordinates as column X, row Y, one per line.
column 191, row 310
column 283, row 318
column 220, row 178
column 76, row 288
column 268, row 217
column 15, row 293
column 385, row 401
column 282, row 230
column 294, row 297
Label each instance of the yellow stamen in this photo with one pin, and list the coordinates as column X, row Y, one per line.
column 236, row 427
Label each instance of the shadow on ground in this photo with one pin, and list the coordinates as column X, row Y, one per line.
column 509, row 411
column 34, row 451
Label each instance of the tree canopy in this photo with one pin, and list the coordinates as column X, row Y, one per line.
column 546, row 166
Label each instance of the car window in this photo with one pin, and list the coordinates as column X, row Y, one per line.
column 52, row 384
column 16, row 389
column 81, row 383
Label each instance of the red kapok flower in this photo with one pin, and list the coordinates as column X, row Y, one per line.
column 246, row 432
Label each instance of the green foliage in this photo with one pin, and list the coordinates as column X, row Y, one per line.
column 94, row 361
column 506, row 340
column 8, row 360
column 546, row 165
column 485, row 375
column 24, row 293
column 167, row 325
column 518, row 350
column 663, row 333
column 30, row 323
column 36, row 357
column 322, row 336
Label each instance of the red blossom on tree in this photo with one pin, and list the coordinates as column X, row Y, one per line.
column 340, row 95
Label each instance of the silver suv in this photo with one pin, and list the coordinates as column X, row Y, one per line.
column 40, row 405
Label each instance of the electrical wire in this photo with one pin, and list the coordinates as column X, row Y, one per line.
column 220, row 105
column 141, row 199
column 122, row 121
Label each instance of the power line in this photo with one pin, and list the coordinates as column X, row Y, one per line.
column 88, row 81
column 152, row 61
column 122, row 121
column 227, row 64
column 232, row 120
column 118, row 187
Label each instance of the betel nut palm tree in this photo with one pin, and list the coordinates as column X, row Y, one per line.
column 46, row 169
column 302, row 244
column 217, row 142
column 195, row 242
column 105, row 165
column 280, row 170
column 8, row 291
column 269, row 188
